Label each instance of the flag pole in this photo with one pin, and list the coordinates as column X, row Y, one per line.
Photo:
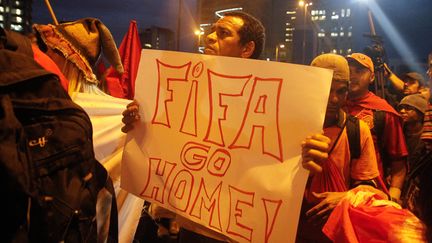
column 51, row 12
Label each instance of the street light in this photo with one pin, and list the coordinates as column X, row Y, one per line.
column 199, row 33
column 277, row 51
column 305, row 6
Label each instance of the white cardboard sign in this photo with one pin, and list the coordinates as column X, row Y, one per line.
column 219, row 140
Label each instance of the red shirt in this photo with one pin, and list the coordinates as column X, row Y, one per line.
column 393, row 138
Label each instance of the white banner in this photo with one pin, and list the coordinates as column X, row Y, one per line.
column 219, row 140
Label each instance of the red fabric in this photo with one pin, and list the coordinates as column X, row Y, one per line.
column 337, row 173
column 393, row 137
column 364, row 216
column 47, row 63
column 100, row 69
column 123, row 85
column 331, row 179
column 371, row 101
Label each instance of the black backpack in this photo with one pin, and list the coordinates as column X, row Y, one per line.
column 353, row 131
column 50, row 177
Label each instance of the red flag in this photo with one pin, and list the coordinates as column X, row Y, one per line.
column 123, row 85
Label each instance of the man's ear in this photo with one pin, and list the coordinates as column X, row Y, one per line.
column 372, row 78
column 248, row 49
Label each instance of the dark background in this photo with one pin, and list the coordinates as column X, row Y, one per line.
column 412, row 19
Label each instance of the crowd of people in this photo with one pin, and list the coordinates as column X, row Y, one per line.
column 390, row 148
column 389, row 159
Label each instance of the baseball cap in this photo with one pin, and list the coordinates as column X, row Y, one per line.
column 363, row 59
column 415, row 100
column 335, row 62
column 415, row 76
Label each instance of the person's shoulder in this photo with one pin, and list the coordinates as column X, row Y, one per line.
column 364, row 128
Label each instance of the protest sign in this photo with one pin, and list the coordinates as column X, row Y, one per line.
column 219, row 140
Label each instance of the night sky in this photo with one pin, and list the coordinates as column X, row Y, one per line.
column 411, row 18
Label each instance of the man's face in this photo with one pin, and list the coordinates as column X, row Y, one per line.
column 337, row 99
column 360, row 78
column 408, row 114
column 224, row 39
column 411, row 86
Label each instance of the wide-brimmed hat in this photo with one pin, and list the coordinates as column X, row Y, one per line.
column 88, row 36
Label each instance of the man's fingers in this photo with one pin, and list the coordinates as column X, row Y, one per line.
column 315, row 209
column 312, row 166
column 130, row 110
column 322, row 138
column 130, row 119
column 133, row 103
column 313, row 154
column 127, row 128
column 319, row 195
column 313, row 143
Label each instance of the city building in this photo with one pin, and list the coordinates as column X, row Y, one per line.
column 157, row 38
column 296, row 30
column 329, row 26
column 16, row 15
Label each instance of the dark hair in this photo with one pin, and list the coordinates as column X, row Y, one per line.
column 252, row 30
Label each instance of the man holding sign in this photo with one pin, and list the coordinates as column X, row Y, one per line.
column 237, row 34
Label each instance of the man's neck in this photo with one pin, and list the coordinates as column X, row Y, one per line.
column 353, row 96
column 337, row 120
column 413, row 127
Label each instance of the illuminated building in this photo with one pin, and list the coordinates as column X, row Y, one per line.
column 329, row 26
column 16, row 15
column 157, row 38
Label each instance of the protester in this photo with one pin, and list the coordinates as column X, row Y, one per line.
column 336, row 173
column 412, row 109
column 408, row 83
column 31, row 76
column 383, row 120
column 413, row 83
column 427, row 125
column 237, row 34
column 424, row 199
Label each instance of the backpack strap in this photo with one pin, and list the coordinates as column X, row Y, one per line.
column 378, row 129
column 353, row 132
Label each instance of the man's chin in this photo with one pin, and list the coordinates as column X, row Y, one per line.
column 209, row 51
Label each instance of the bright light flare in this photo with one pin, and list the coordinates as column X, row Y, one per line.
column 401, row 46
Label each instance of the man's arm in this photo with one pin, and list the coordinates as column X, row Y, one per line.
column 397, row 152
column 398, row 173
column 395, row 81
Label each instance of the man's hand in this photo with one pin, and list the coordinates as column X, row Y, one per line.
column 130, row 116
column 315, row 149
column 328, row 201
column 387, row 71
